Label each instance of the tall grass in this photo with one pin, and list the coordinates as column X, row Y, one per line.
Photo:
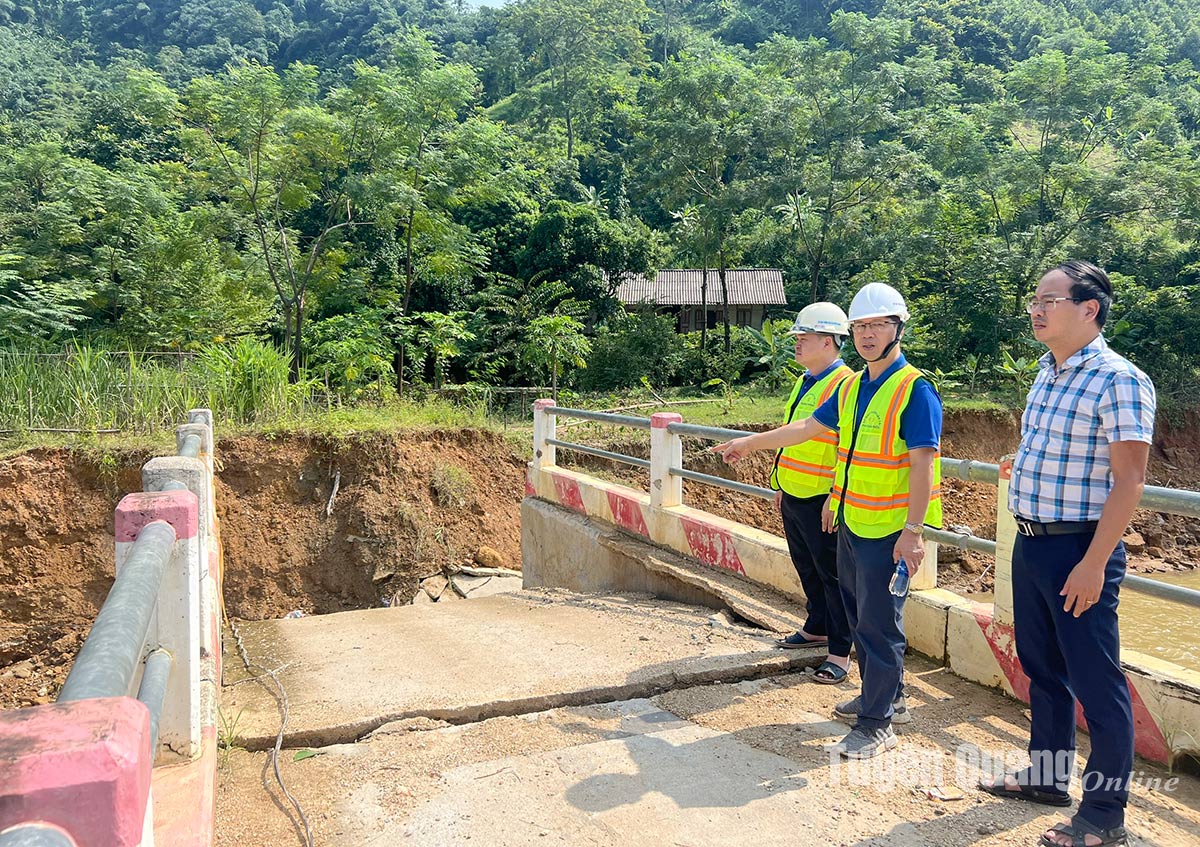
column 89, row 389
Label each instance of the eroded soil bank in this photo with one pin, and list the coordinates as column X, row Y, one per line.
column 407, row 506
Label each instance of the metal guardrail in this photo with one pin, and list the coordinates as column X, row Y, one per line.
column 601, row 417
column 713, row 433
column 600, row 454
column 35, row 835
column 109, row 658
column 1154, row 498
column 190, row 447
column 108, row 662
column 721, row 482
column 152, row 691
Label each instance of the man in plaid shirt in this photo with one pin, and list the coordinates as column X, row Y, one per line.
column 1076, row 479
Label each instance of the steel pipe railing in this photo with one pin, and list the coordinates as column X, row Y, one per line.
column 109, row 658
column 1154, row 498
column 970, row 470
column 601, row 417
column 600, row 454
column 152, row 691
column 721, row 482
column 35, row 835
column 965, row 540
column 713, row 433
column 190, row 447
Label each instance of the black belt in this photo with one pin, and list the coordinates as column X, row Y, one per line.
column 1025, row 527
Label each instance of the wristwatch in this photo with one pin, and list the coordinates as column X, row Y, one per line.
column 915, row 528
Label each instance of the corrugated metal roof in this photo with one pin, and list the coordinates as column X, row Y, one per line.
column 681, row 287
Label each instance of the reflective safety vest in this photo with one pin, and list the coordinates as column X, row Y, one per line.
column 806, row 470
column 871, row 480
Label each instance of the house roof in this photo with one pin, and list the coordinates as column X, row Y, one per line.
column 681, row 287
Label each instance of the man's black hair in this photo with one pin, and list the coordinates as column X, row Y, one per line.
column 1089, row 282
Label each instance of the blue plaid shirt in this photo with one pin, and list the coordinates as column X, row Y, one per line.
column 1062, row 471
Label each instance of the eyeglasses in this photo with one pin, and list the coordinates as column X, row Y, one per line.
column 871, row 327
column 1046, row 304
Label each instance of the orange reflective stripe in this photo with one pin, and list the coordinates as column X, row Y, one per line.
column 882, row 504
column 872, row 460
column 891, row 421
column 825, row 438
column 833, row 386
column 845, row 394
column 805, row 467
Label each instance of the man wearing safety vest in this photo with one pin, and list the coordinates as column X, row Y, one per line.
column 886, row 490
column 803, row 478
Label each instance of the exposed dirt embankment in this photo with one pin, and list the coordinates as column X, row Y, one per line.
column 406, row 505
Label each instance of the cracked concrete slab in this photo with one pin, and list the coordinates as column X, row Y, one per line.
column 347, row 674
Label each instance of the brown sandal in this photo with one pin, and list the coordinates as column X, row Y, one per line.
column 1023, row 792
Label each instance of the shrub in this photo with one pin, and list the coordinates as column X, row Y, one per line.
column 452, row 487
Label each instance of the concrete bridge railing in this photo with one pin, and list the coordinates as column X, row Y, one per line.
column 127, row 753
column 974, row 639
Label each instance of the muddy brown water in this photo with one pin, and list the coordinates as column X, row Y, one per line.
column 1160, row 628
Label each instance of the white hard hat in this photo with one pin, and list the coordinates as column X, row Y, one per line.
column 820, row 317
column 878, row 300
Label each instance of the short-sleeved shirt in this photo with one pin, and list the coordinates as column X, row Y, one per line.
column 1063, row 470
column 920, row 422
column 809, row 379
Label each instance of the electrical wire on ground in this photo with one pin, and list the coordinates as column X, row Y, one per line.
column 282, row 700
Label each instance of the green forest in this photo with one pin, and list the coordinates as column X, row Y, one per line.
column 364, row 195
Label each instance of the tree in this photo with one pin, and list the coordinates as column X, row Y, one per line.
column 572, row 39
column 554, row 340
column 587, row 251
column 289, row 164
column 437, row 336
column 846, row 161
column 432, row 152
column 707, row 130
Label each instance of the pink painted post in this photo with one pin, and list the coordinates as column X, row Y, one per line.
column 544, row 426
column 82, row 766
column 666, row 452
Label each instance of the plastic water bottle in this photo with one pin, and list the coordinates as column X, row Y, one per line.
column 899, row 583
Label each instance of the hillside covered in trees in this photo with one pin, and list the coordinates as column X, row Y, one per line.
column 416, row 189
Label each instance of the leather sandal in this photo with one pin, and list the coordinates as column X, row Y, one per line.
column 797, row 641
column 999, row 788
column 829, row 673
column 1078, row 829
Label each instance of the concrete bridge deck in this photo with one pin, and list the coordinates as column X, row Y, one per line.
column 551, row 718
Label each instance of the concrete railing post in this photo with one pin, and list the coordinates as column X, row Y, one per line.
column 1006, row 540
column 176, row 624
column 82, row 767
column 926, row 577
column 203, row 417
column 666, row 452
column 544, row 427
column 194, row 475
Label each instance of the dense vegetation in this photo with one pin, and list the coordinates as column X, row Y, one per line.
column 409, row 190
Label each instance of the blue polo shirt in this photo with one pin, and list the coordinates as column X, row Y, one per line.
column 808, row 380
column 920, row 422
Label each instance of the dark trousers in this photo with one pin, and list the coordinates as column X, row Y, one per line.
column 865, row 569
column 814, row 555
column 1069, row 658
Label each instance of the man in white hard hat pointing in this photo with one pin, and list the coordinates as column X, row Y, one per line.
column 803, row 478
column 887, row 488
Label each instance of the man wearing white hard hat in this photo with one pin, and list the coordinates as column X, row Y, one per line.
column 886, row 489
column 803, row 478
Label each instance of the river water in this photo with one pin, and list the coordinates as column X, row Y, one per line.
column 1156, row 627
column 1161, row 628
